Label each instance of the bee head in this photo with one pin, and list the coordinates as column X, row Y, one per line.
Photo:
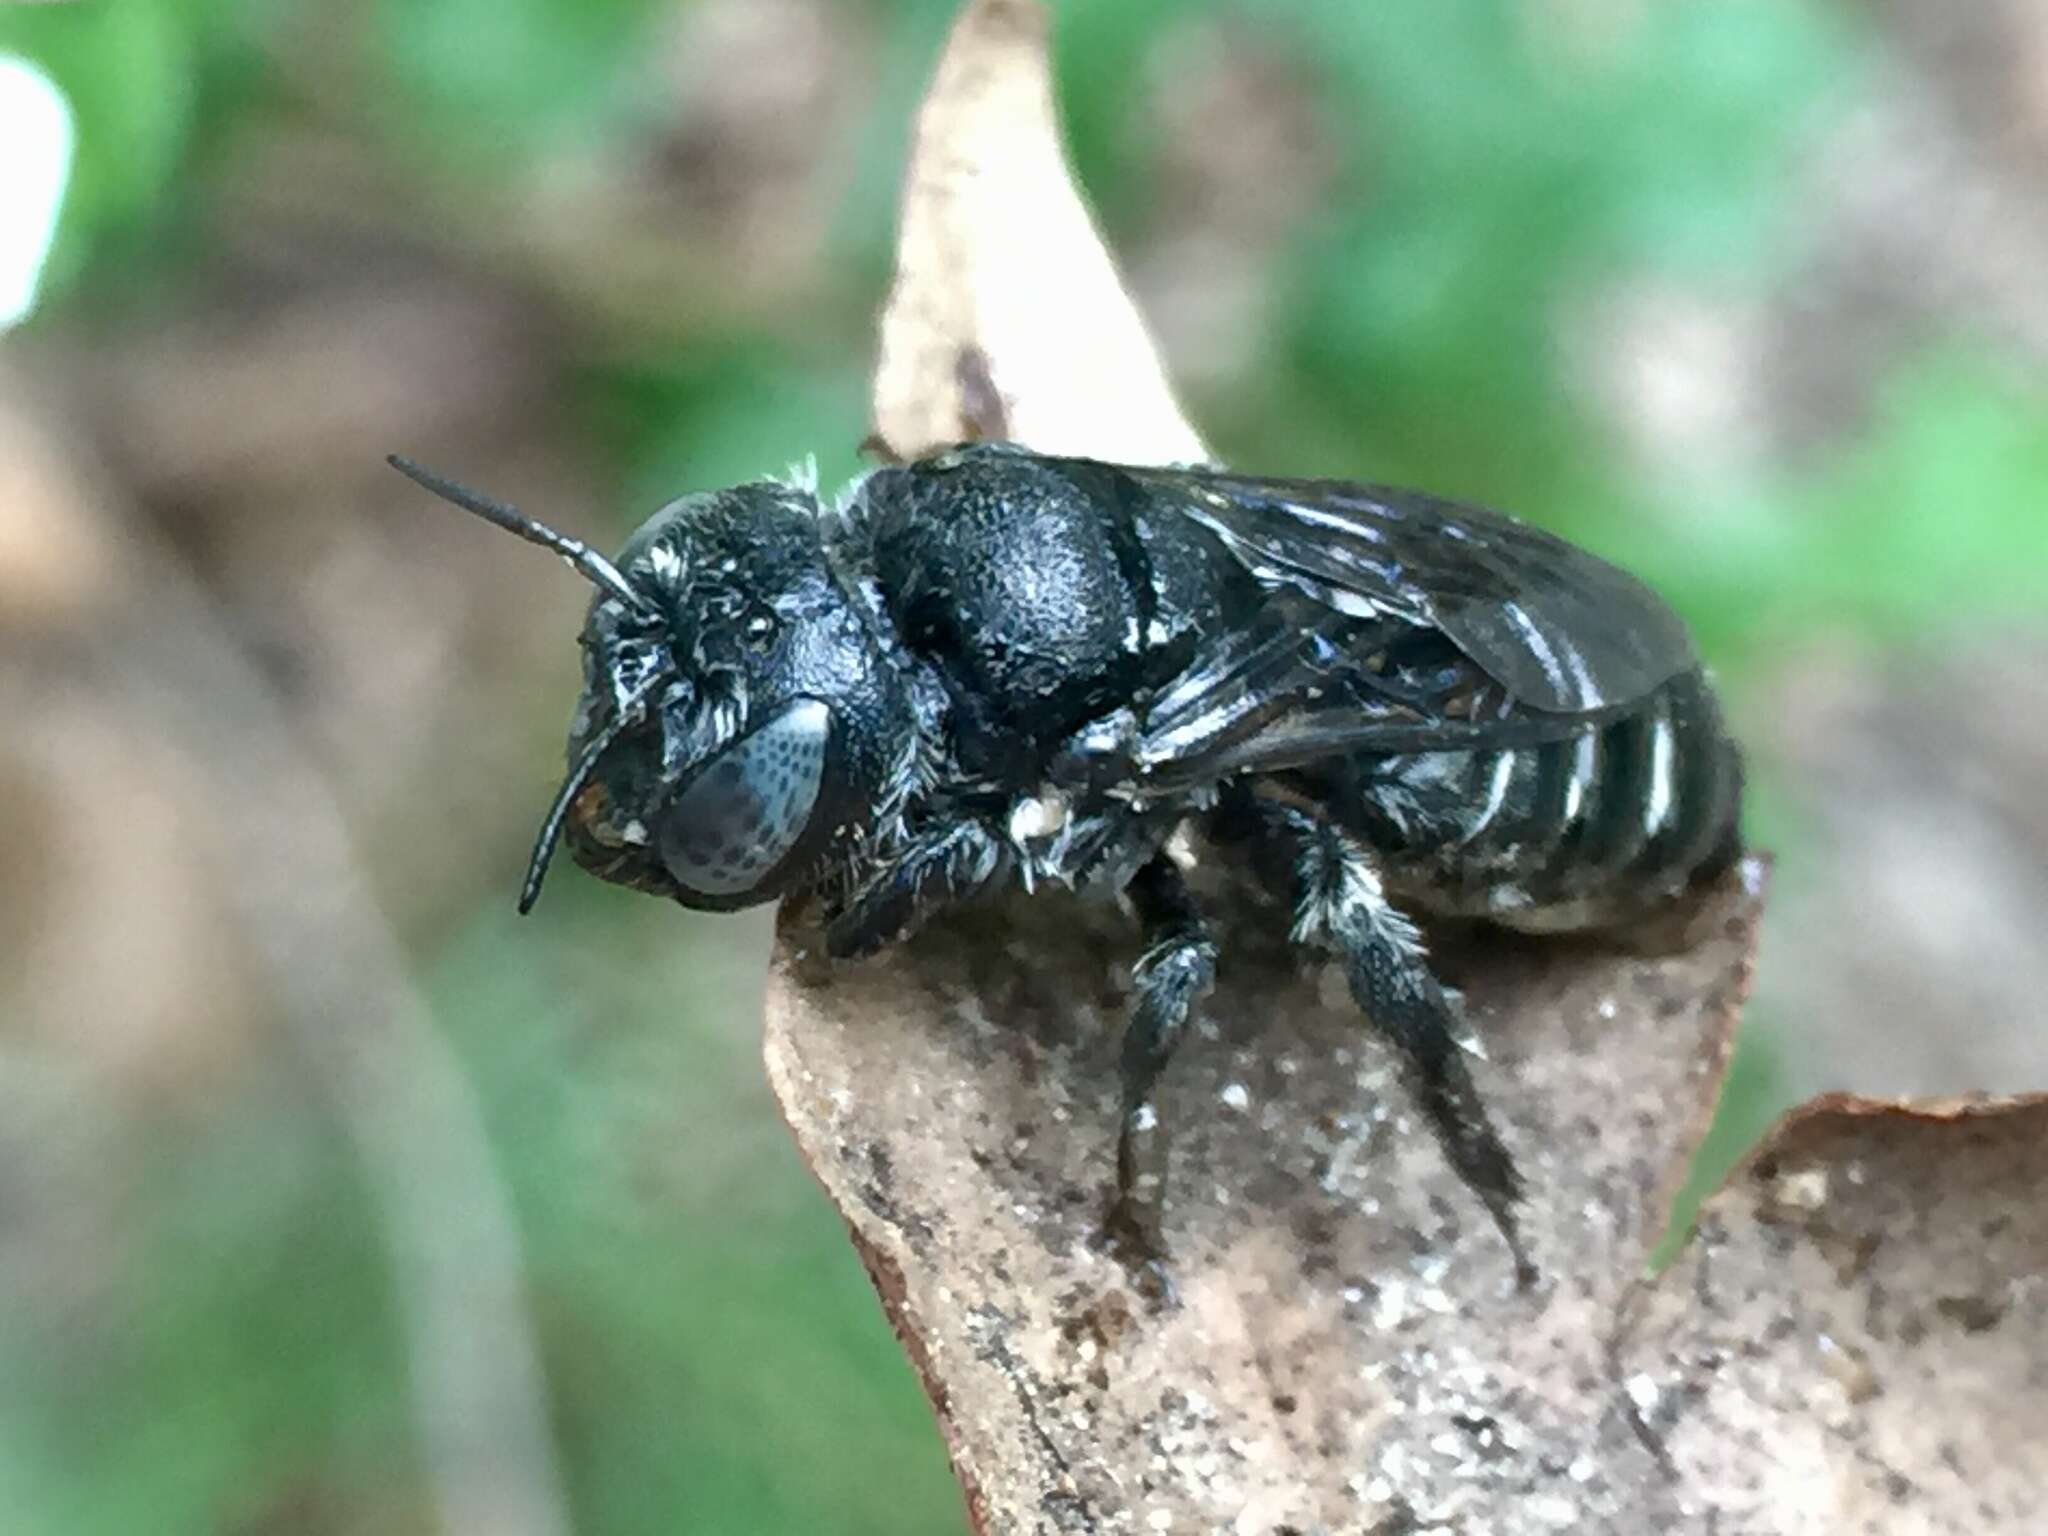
column 739, row 716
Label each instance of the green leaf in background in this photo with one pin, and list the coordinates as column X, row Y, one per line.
column 711, row 1342
column 1929, row 520
column 724, row 413
column 714, row 1357
column 1100, row 48
column 493, row 84
column 129, row 71
column 908, row 34
column 241, row 1360
column 1939, row 516
column 1422, row 321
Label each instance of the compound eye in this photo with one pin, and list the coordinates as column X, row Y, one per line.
column 746, row 808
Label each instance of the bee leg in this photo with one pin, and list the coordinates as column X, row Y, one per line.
column 1177, row 968
column 1341, row 904
column 914, row 882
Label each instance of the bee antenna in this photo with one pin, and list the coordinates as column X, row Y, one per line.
column 580, row 555
column 550, row 835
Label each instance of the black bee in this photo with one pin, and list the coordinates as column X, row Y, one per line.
column 992, row 663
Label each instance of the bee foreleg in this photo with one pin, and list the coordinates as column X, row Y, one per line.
column 911, row 883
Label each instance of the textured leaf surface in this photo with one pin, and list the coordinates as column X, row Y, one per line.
column 1857, row 1338
column 1348, row 1343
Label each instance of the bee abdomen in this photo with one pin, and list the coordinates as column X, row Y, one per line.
column 1576, row 832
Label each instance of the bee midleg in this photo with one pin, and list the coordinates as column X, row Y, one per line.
column 913, row 882
column 1341, row 904
column 1176, row 970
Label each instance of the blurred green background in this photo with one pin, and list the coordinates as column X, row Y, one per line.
column 1746, row 295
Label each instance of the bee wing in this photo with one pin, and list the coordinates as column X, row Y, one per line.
column 1560, row 629
column 1296, row 687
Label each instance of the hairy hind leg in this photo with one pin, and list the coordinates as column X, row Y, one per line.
column 1341, row 905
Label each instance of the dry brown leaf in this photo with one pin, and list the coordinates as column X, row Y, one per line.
column 1348, row 1353
column 1348, row 1343
column 1007, row 318
column 1857, row 1338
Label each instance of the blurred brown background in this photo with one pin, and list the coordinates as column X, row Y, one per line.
column 333, row 1198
